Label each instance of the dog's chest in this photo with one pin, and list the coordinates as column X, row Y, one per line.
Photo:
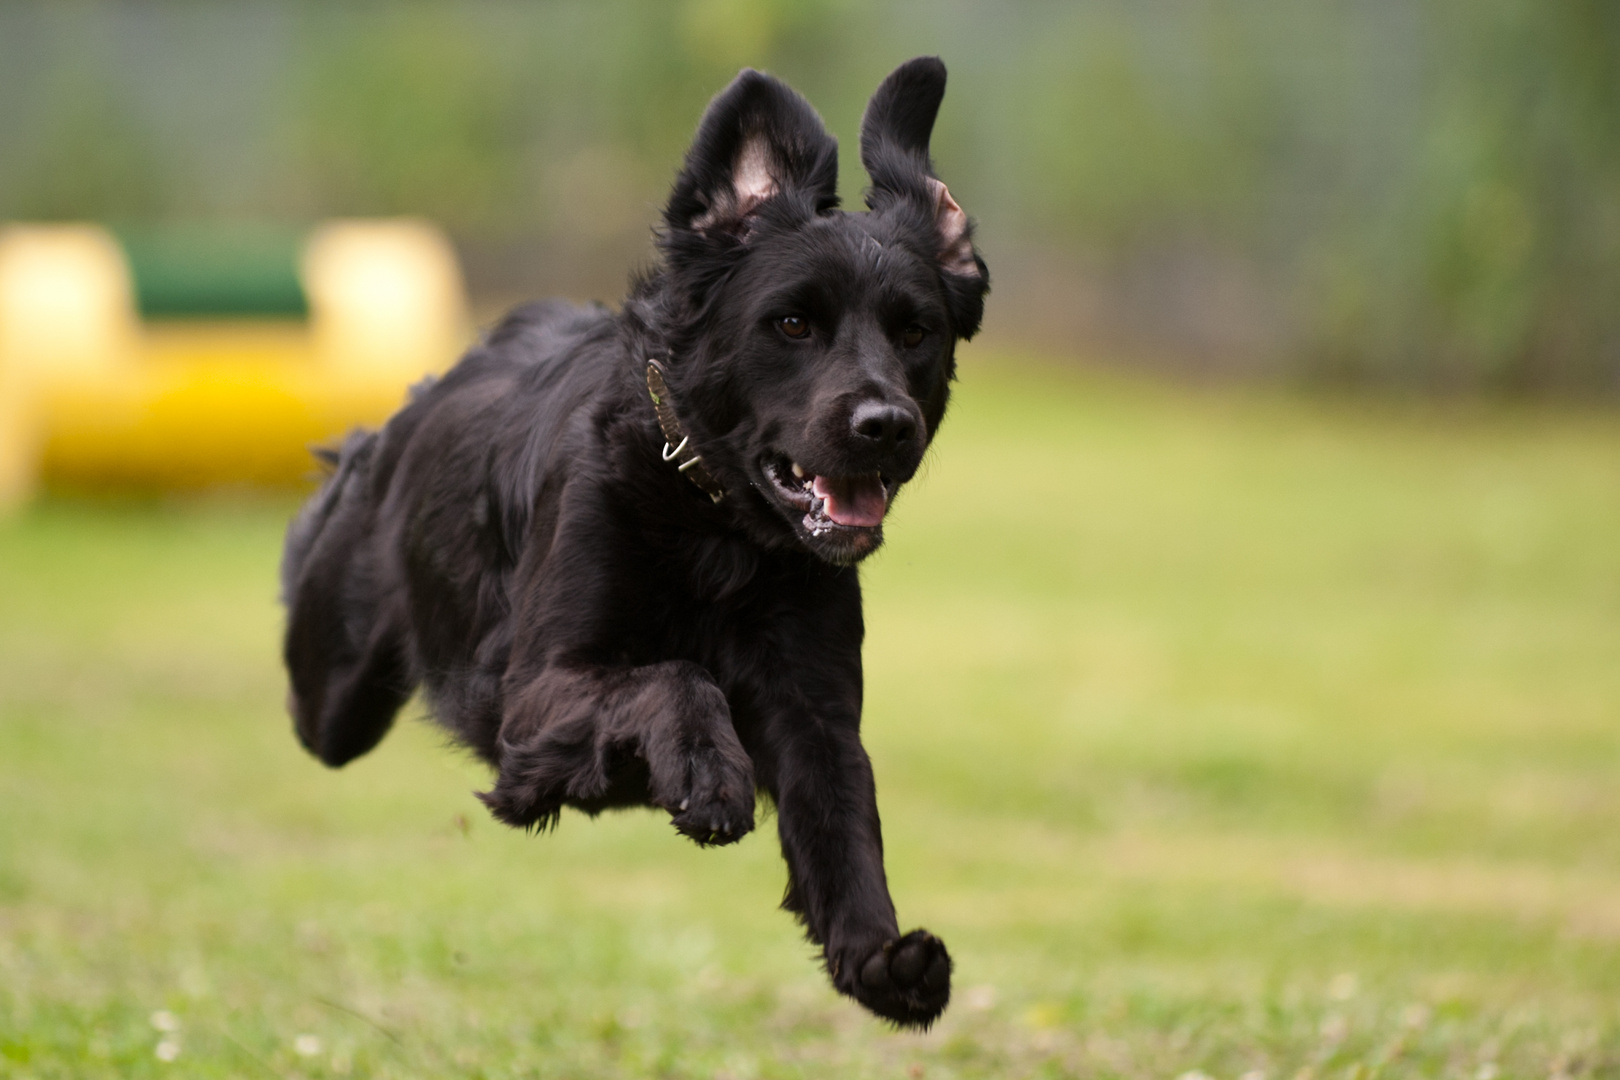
column 712, row 599
column 717, row 568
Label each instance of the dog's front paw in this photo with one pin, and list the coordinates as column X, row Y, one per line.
column 717, row 805
column 907, row 980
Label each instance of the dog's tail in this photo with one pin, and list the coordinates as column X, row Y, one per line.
column 346, row 650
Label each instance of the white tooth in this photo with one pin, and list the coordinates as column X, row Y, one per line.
column 798, row 470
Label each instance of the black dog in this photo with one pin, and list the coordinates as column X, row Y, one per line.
column 619, row 601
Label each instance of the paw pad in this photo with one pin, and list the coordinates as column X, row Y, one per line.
column 907, row 980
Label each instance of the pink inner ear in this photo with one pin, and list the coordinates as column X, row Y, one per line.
column 955, row 249
column 751, row 184
column 751, row 176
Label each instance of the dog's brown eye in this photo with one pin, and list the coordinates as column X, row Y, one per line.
column 913, row 336
column 794, row 326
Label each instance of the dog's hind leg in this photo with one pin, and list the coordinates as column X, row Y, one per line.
column 346, row 647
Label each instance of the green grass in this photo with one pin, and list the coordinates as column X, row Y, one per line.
column 1214, row 730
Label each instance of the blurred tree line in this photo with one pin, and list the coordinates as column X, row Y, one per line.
column 1409, row 192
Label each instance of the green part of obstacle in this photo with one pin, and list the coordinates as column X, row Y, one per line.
column 216, row 271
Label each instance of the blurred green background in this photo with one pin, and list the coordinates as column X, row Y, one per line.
column 1215, row 731
column 1418, row 194
column 1224, row 726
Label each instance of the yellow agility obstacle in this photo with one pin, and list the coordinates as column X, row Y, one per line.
column 167, row 363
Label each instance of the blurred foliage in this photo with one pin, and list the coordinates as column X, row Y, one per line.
column 1428, row 193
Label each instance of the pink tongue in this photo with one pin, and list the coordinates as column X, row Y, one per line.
column 852, row 500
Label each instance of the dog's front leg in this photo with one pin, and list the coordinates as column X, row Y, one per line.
column 828, row 821
column 595, row 736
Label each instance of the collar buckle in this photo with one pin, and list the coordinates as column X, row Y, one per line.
column 677, row 443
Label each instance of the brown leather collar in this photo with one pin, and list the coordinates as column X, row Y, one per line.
column 677, row 443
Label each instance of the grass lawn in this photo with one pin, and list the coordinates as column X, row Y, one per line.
column 1215, row 731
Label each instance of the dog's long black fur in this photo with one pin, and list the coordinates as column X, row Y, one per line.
column 598, row 628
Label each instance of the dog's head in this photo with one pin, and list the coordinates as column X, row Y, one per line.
column 811, row 350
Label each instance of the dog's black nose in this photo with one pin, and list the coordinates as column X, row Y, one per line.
column 888, row 425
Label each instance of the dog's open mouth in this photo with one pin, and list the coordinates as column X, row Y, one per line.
column 831, row 502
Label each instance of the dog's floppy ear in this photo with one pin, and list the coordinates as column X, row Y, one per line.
column 758, row 140
column 894, row 148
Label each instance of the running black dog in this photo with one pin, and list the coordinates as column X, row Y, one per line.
column 618, row 551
